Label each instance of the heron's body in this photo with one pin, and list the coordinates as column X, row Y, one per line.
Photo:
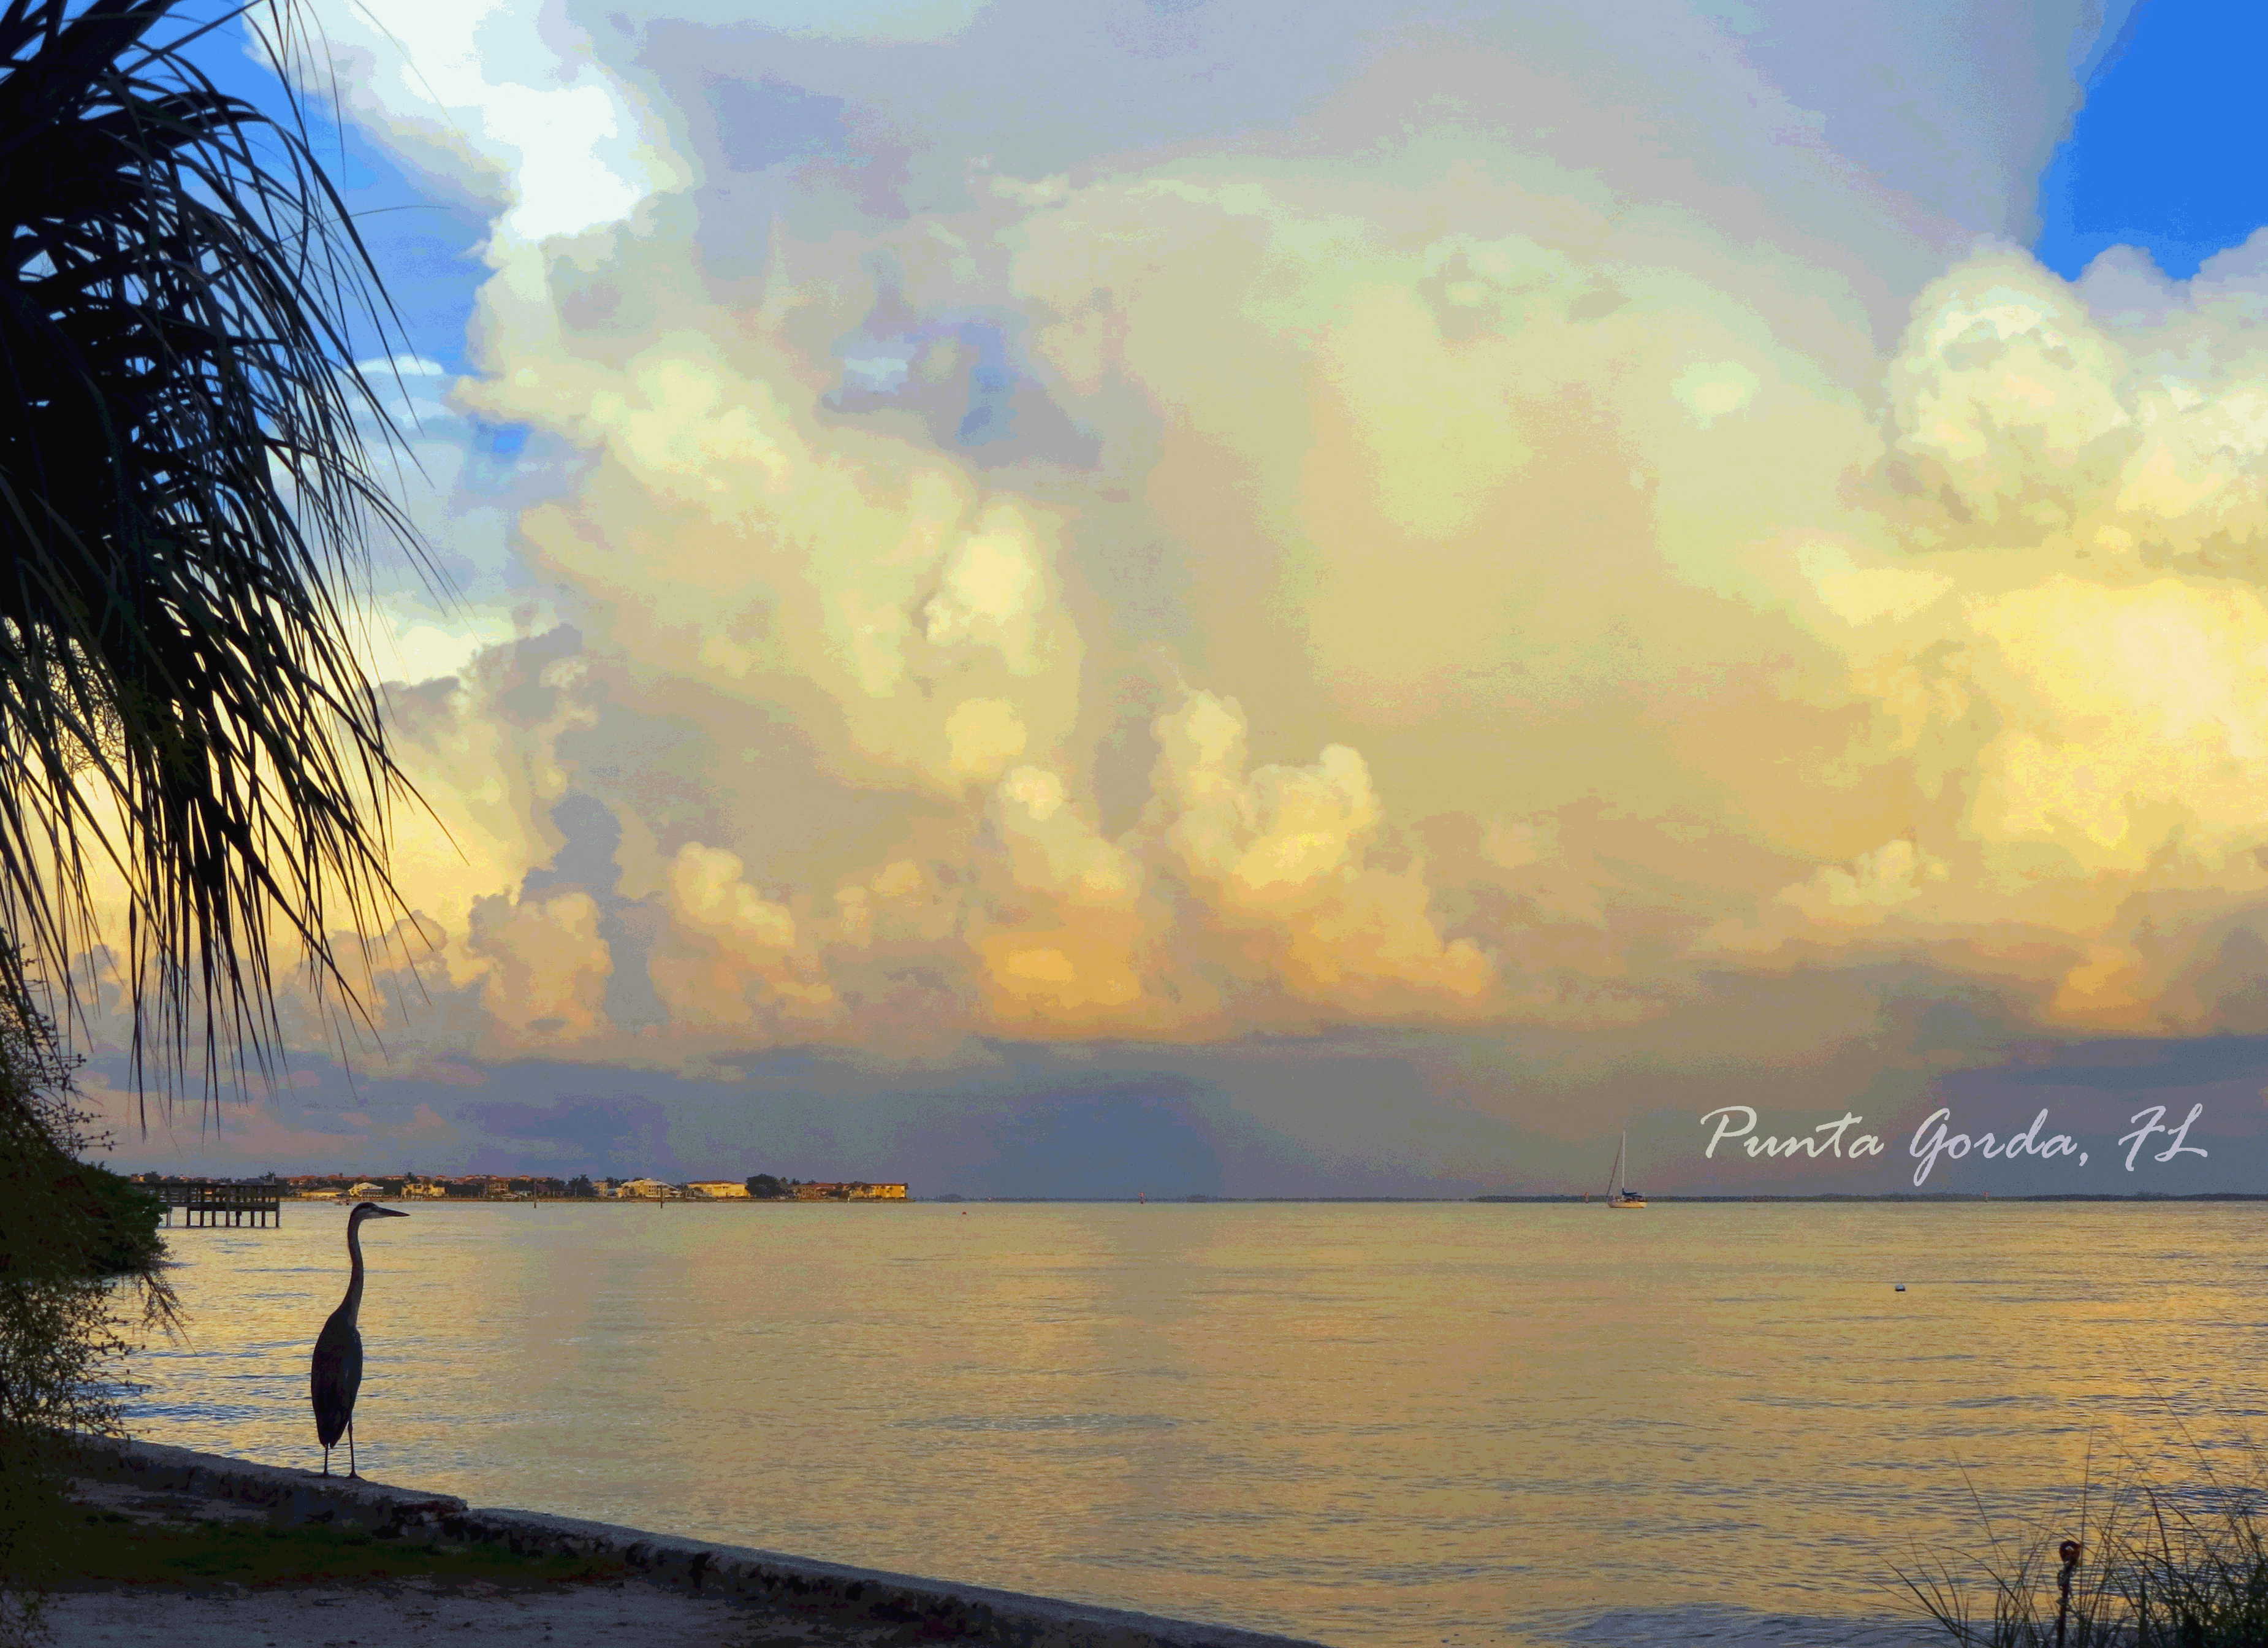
column 335, row 1373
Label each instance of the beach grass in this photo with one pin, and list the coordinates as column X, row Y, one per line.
column 2138, row 1565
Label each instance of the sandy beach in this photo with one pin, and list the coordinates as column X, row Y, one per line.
column 414, row 1609
column 415, row 1612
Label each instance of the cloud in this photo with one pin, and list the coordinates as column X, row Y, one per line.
column 736, row 958
column 727, row 534
column 1483, row 528
column 505, row 100
column 1278, row 856
column 547, row 967
column 290, row 1125
column 573, row 1132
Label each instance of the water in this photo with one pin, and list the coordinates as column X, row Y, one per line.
column 1368, row 1425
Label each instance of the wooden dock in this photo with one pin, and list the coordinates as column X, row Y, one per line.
column 207, row 1204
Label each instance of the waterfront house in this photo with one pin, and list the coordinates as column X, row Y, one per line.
column 854, row 1190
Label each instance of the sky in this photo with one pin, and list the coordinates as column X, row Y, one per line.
column 1140, row 596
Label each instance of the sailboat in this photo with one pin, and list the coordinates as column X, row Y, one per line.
column 1618, row 1193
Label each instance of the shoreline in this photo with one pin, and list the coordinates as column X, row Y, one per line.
column 1576, row 1197
column 814, row 1590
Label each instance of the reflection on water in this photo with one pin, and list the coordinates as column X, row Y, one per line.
column 1365, row 1424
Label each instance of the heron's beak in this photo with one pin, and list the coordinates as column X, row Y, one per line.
column 388, row 1212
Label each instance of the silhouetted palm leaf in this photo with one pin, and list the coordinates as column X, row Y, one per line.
column 184, row 500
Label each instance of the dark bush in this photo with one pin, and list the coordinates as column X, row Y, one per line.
column 70, row 1233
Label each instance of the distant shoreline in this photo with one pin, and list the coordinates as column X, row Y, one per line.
column 1576, row 1199
column 1948, row 1195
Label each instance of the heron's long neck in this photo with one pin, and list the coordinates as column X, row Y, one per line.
column 350, row 1307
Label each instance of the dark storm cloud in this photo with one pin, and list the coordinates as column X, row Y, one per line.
column 624, row 1133
column 2131, row 1066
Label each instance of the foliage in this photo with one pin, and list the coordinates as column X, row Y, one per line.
column 124, row 1219
column 107, row 1547
column 764, row 1187
column 2156, row 1568
column 184, row 495
column 71, row 1234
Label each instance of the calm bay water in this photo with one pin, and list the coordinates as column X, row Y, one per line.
column 1403, row 1424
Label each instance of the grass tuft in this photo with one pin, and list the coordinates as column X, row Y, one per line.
column 2155, row 1567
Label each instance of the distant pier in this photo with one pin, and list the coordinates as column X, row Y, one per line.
column 212, row 1204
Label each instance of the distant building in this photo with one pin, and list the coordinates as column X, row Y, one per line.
column 720, row 1189
column 855, row 1190
column 649, row 1189
column 367, row 1188
column 424, row 1190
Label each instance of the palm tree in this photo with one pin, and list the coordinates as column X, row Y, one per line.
column 185, row 505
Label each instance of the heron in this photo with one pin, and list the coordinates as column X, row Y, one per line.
column 335, row 1373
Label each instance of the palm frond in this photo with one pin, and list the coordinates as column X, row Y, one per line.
column 187, row 502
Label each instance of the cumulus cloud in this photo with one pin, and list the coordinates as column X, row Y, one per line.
column 728, row 536
column 1278, row 855
column 1242, row 897
column 505, row 100
column 1426, row 563
column 737, row 957
column 547, row 967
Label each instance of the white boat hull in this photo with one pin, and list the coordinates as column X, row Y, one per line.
column 1619, row 1194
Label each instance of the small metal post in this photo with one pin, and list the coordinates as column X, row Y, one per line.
column 2069, row 1551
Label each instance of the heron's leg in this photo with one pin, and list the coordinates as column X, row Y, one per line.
column 327, row 1459
column 351, row 1457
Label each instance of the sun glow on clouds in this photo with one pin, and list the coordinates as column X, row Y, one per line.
column 1423, row 568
